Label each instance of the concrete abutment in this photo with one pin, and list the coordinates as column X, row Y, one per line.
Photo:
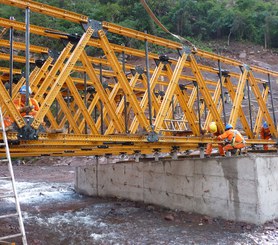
column 233, row 188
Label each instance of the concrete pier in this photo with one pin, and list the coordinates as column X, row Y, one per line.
column 233, row 188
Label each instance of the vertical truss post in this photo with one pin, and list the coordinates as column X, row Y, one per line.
column 222, row 92
column 68, row 105
column 271, row 99
column 148, row 82
column 125, row 101
column 249, row 105
column 27, row 53
column 11, row 59
column 85, row 97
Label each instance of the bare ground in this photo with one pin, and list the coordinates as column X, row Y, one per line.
column 54, row 214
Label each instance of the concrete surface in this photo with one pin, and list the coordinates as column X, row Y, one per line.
column 233, row 188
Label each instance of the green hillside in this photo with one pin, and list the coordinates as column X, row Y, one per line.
column 250, row 20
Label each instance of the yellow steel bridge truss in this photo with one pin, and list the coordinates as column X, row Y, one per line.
column 111, row 105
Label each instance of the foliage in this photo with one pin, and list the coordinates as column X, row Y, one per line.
column 251, row 20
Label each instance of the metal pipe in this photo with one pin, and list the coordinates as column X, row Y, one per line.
column 271, row 99
column 198, row 106
column 85, row 98
column 249, row 105
column 148, row 82
column 27, row 53
column 101, row 104
column 125, row 101
column 222, row 93
column 11, row 59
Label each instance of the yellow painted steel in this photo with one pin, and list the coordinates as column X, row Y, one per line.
column 120, row 99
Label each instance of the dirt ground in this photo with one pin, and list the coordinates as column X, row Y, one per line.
column 54, row 214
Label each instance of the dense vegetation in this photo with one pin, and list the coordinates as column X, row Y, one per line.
column 250, row 20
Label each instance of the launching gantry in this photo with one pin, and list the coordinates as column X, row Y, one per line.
column 106, row 104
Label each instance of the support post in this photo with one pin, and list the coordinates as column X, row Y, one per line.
column 222, row 93
column 27, row 53
column 11, row 59
column 271, row 99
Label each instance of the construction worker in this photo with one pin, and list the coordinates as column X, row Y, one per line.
column 233, row 139
column 20, row 103
column 213, row 129
column 265, row 134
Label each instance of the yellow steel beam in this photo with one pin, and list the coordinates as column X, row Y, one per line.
column 7, row 70
column 111, row 27
column 19, row 59
column 62, row 78
column 22, row 46
column 47, row 10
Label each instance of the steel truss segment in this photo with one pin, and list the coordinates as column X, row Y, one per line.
column 22, row 46
column 121, row 105
column 10, row 107
column 109, row 105
column 123, row 81
column 241, row 113
column 50, row 77
column 259, row 117
column 68, row 114
column 188, row 111
column 238, row 98
column 144, row 102
column 173, row 84
column 262, row 104
column 62, row 78
column 47, row 9
column 205, row 92
column 79, row 102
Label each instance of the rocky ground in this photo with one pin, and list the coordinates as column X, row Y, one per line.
column 54, row 214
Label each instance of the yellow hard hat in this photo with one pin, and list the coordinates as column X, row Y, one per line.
column 212, row 128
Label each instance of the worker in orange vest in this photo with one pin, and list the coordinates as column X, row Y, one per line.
column 233, row 139
column 20, row 103
column 265, row 134
column 212, row 128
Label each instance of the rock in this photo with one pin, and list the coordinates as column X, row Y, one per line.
column 169, row 217
column 242, row 55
